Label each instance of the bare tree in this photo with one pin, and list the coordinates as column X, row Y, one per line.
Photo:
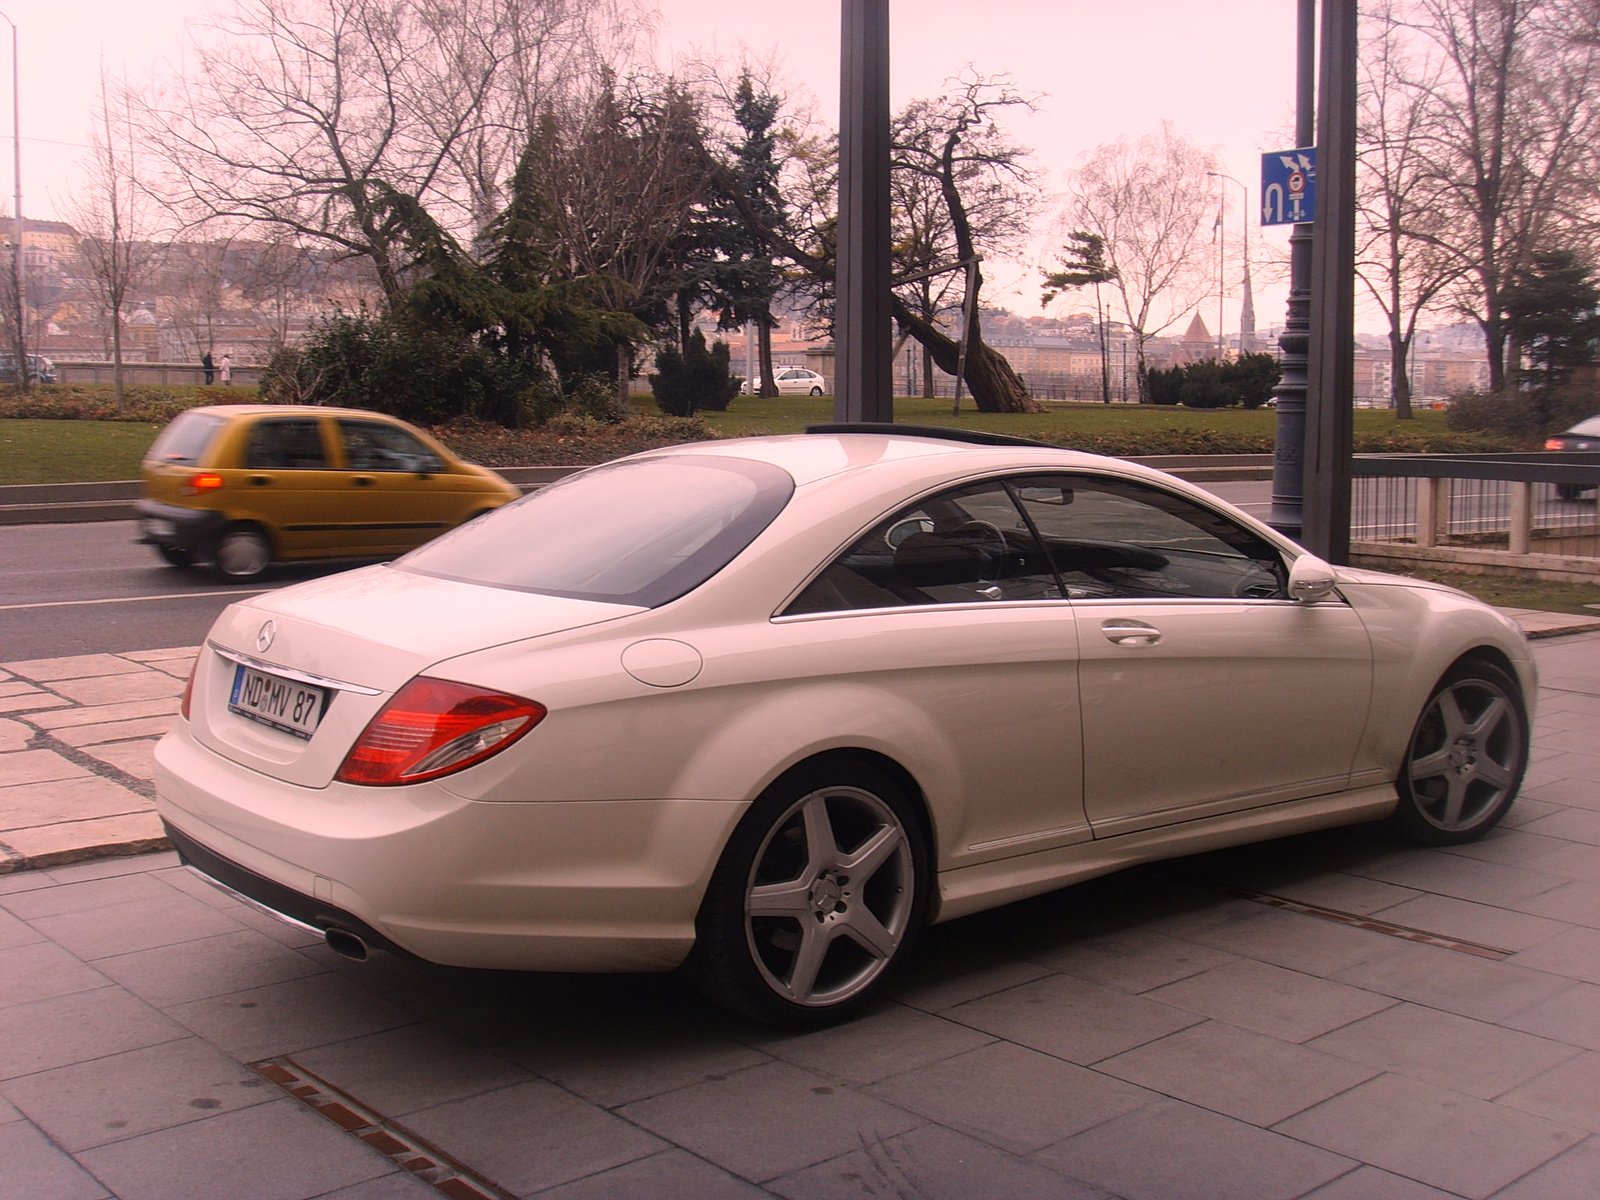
column 1147, row 201
column 953, row 147
column 1404, row 257
column 313, row 115
column 115, row 219
column 1513, row 144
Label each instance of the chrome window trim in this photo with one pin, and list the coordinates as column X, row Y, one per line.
column 261, row 664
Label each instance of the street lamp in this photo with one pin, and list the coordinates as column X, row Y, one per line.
column 20, row 347
column 1246, row 307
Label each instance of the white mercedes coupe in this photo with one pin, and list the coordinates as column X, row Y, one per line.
column 762, row 708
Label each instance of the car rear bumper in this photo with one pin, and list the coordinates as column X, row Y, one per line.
column 191, row 529
column 542, row 885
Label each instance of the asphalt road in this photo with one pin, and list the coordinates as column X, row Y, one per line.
column 90, row 589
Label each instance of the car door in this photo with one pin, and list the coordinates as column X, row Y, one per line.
column 286, row 483
column 1204, row 689
column 396, row 495
column 950, row 609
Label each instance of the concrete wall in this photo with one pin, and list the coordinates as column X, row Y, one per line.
column 147, row 373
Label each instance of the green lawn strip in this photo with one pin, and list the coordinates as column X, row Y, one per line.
column 72, row 451
column 1544, row 595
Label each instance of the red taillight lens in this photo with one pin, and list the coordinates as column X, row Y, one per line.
column 432, row 727
column 196, row 484
column 1554, row 444
column 188, row 691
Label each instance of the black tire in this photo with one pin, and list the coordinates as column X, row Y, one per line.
column 816, row 391
column 831, row 935
column 1466, row 757
column 240, row 554
column 175, row 556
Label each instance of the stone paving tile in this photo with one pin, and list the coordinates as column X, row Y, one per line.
column 1017, row 1099
column 1447, row 1139
column 887, row 1041
column 1238, row 1073
column 1073, row 1019
column 1576, row 903
column 85, row 894
column 1347, row 893
column 284, row 1018
column 1570, row 825
column 49, row 845
column 43, row 1034
column 135, row 925
column 1272, row 1000
column 36, row 1170
column 277, row 1151
column 1472, row 1057
column 111, row 731
column 1572, row 954
column 31, row 702
column 1295, row 940
column 125, row 1095
column 81, row 666
column 401, row 1071
column 35, row 766
column 929, row 1164
column 669, row 1173
column 37, row 805
column 173, row 974
column 769, row 1120
column 935, row 980
column 532, row 1136
column 102, row 714
column 1464, row 878
column 1569, row 1177
column 1132, row 961
column 16, row 933
column 1484, row 924
column 1571, row 1016
column 1455, row 982
column 119, row 689
column 14, row 735
column 135, row 758
column 157, row 656
column 1568, row 1094
column 41, row 970
column 1176, row 1151
column 16, row 687
column 1369, row 1183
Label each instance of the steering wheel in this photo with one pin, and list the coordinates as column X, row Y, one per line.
column 996, row 548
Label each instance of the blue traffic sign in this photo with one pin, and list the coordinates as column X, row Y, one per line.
column 1289, row 186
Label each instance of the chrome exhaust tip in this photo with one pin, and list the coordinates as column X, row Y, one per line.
column 343, row 942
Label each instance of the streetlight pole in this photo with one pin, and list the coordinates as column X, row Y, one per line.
column 20, row 343
column 1246, row 309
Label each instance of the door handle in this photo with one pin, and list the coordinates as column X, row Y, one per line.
column 1125, row 632
column 260, row 480
column 361, row 481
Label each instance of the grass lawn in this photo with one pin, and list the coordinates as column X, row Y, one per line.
column 72, row 451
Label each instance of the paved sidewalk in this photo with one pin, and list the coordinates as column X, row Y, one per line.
column 1327, row 1017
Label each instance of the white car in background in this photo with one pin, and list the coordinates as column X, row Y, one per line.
column 791, row 381
column 763, row 708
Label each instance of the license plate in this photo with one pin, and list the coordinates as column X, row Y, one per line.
column 284, row 704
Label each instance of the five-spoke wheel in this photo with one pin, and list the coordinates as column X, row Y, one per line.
column 818, row 896
column 1466, row 758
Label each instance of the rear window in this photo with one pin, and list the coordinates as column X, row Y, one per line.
column 637, row 533
column 185, row 439
column 1589, row 428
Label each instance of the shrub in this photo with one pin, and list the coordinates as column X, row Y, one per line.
column 693, row 379
column 1524, row 416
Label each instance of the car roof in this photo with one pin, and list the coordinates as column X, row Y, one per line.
column 287, row 410
column 1589, row 428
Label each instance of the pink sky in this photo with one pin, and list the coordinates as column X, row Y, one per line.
column 1221, row 72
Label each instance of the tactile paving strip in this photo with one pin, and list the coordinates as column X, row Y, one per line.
column 389, row 1138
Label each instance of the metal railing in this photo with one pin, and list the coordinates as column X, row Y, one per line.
column 1511, row 505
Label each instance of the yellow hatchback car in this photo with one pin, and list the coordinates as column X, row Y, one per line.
column 240, row 486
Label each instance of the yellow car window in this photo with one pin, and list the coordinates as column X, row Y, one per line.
column 293, row 444
column 371, row 446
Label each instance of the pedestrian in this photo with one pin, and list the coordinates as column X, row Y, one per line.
column 208, row 366
column 225, row 367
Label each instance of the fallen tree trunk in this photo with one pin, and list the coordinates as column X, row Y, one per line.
column 995, row 387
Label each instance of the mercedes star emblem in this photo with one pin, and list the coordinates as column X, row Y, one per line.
column 264, row 638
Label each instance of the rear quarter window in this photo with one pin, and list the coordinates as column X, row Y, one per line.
column 184, row 441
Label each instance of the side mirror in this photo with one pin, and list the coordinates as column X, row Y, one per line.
column 1311, row 579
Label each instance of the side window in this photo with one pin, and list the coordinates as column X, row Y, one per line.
column 373, row 446
column 1116, row 538
column 293, row 444
column 961, row 546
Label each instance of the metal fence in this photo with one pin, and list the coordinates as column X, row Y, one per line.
column 1515, row 505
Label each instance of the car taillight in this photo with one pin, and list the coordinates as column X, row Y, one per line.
column 1553, row 444
column 196, row 484
column 432, row 727
column 188, row 691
